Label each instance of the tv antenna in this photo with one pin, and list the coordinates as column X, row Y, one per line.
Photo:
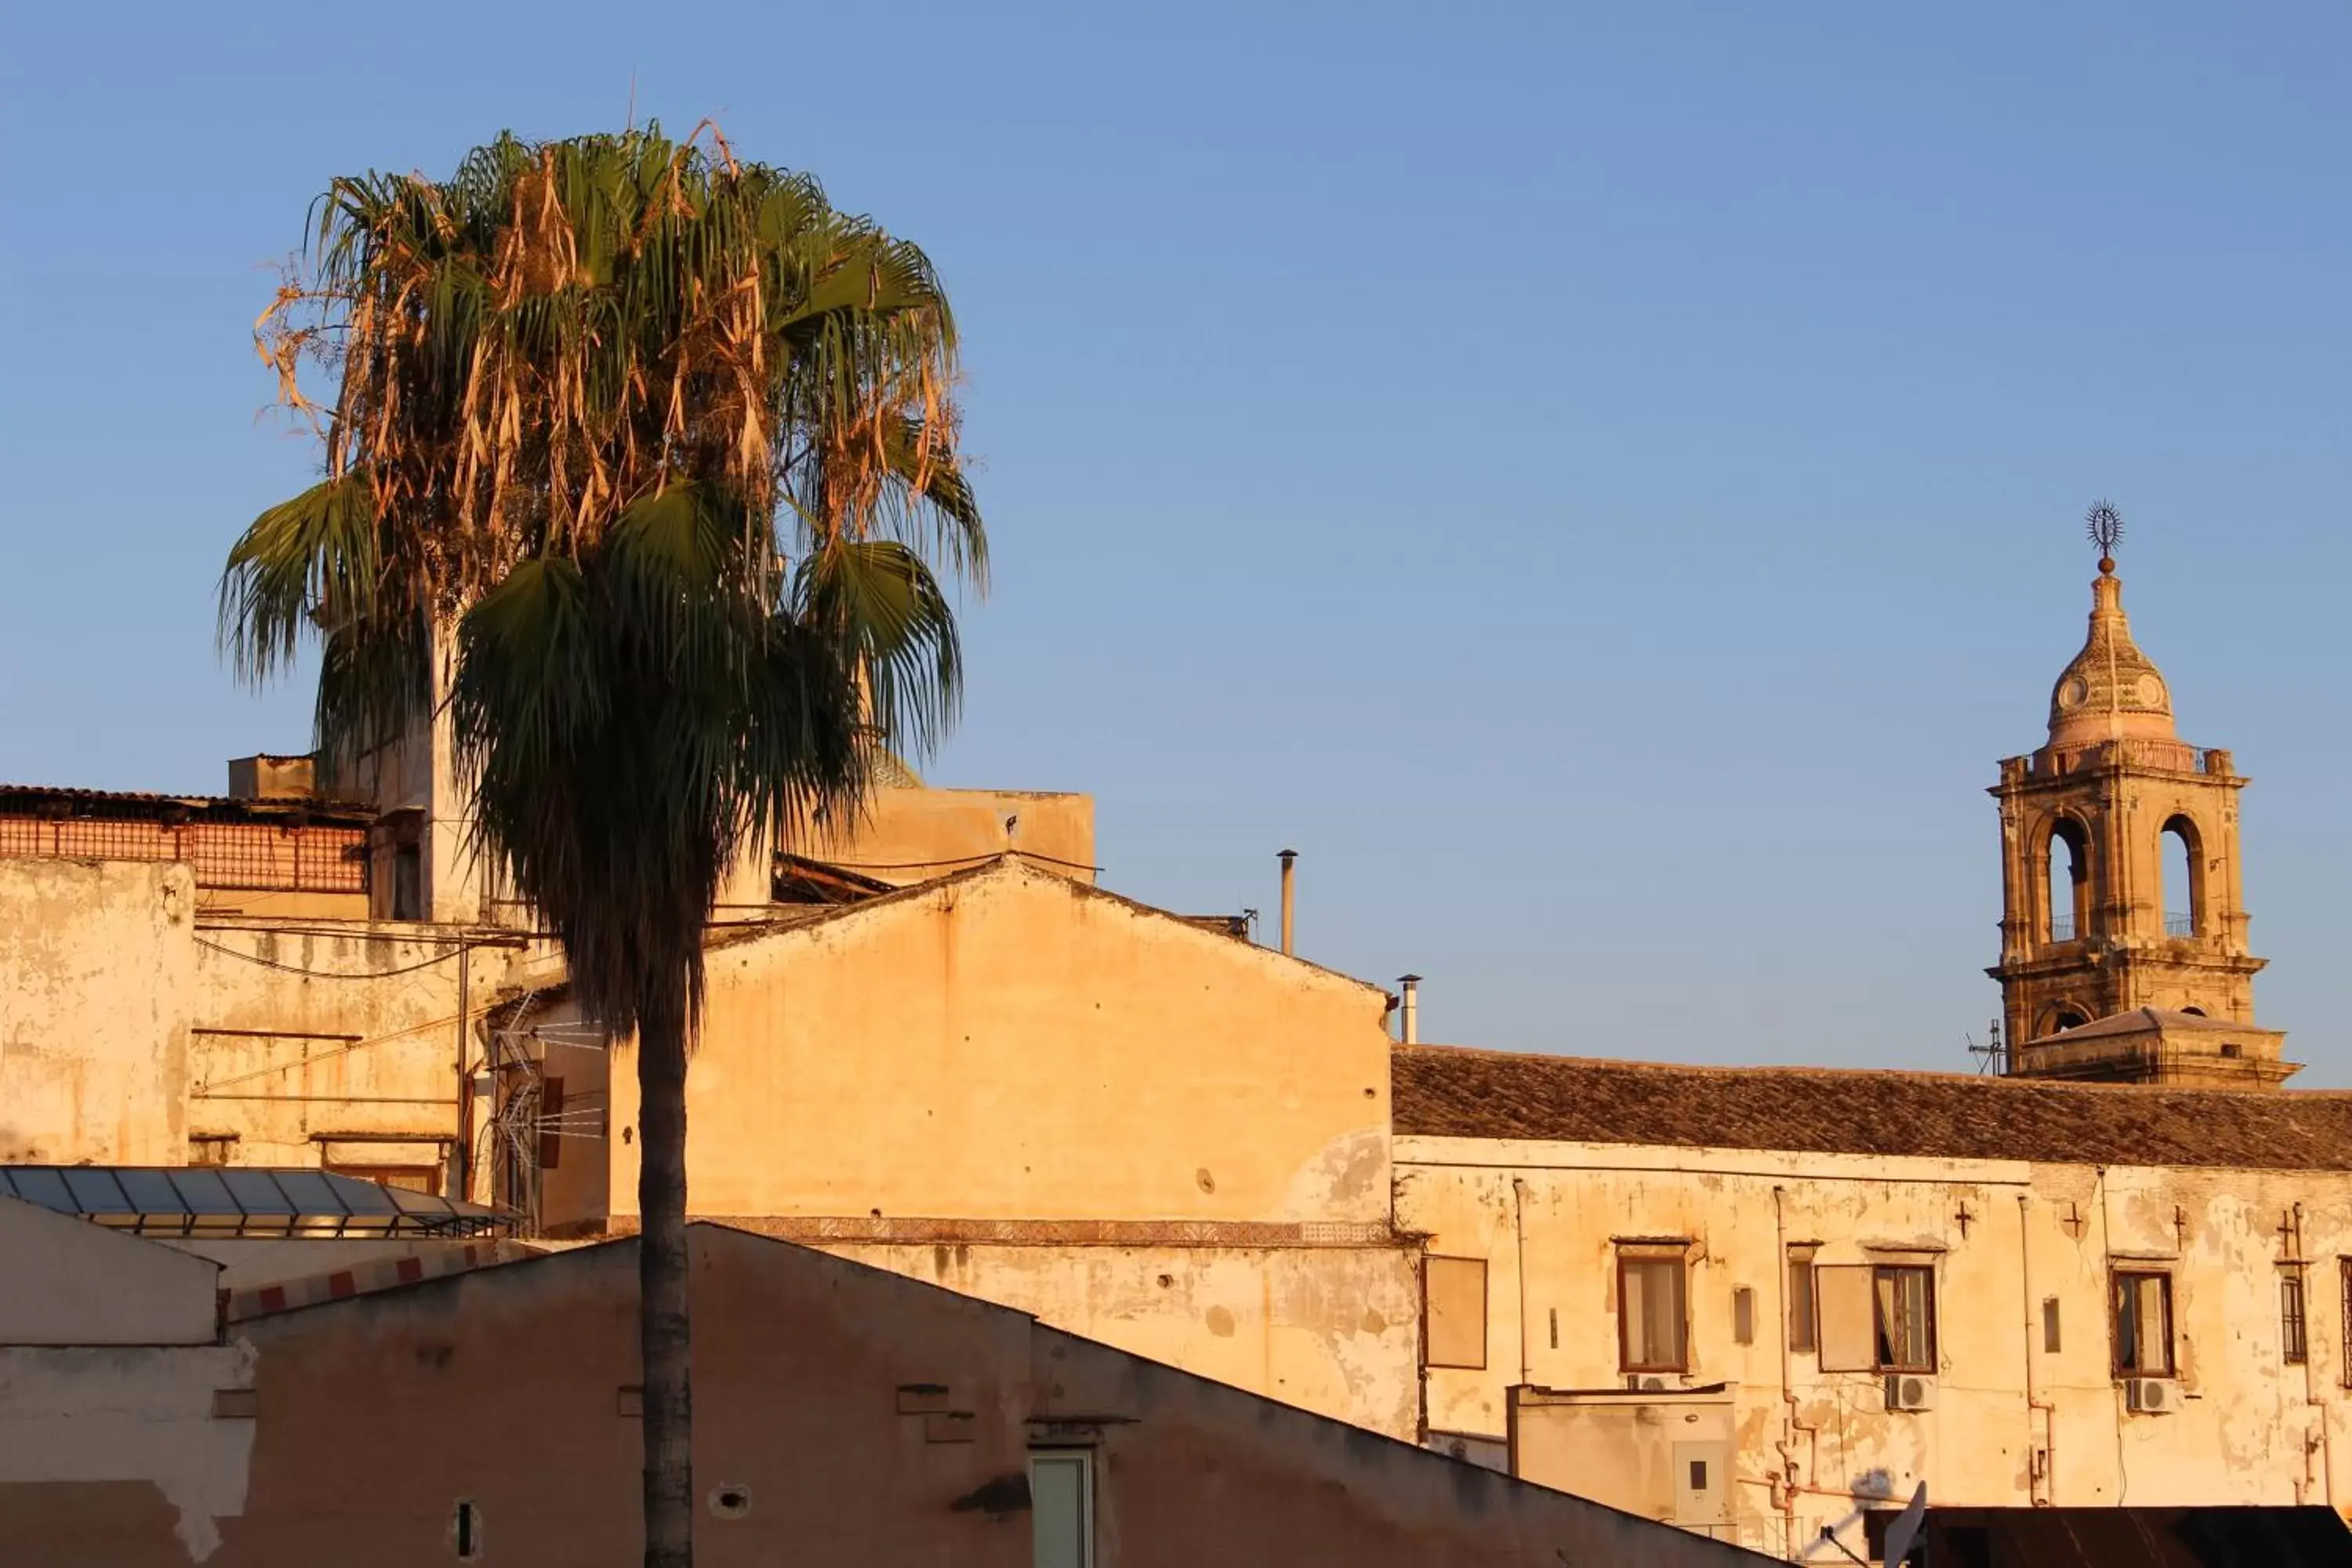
column 1994, row 1059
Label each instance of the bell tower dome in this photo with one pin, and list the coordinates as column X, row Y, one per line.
column 2123, row 947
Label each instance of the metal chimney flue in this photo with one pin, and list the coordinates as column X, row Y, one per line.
column 1290, row 898
column 1409, row 1008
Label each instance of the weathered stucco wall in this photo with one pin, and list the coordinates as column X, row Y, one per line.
column 1333, row 1330
column 1013, row 1045
column 2253, row 1428
column 65, row 1282
column 1054, row 1098
column 852, row 1416
column 303, row 1030
column 906, row 835
column 97, row 972
column 114, row 1456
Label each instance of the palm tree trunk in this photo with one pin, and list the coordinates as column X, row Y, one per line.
column 662, row 1279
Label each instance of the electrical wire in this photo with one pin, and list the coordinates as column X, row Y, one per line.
column 957, row 860
column 325, row 973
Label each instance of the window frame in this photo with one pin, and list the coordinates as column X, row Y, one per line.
column 1090, row 1506
column 2344, row 1274
column 2295, row 1316
column 1881, row 1333
column 1630, row 1259
column 1802, row 1303
column 2118, row 1305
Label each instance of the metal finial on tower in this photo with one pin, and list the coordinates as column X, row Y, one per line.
column 2106, row 526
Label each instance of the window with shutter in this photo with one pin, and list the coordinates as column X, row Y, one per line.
column 1905, row 1330
column 2143, row 1324
column 1849, row 1328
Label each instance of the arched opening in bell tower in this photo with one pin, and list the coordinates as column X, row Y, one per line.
column 2066, row 909
column 2184, row 882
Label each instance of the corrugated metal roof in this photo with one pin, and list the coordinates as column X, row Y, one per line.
column 241, row 1200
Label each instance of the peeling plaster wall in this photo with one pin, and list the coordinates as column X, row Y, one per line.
column 2250, row 1430
column 1331, row 1330
column 97, row 969
column 78, row 1423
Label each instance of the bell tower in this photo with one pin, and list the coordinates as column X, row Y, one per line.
column 2122, row 946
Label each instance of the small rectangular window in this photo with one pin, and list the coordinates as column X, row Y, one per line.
column 1454, row 1311
column 2294, row 1345
column 2050, row 1325
column 1555, row 1328
column 408, row 882
column 1801, row 1334
column 1743, row 1315
column 2142, row 1305
column 1650, row 1315
column 2344, row 1279
column 1062, row 1507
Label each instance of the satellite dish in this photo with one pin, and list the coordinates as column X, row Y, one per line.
column 1905, row 1530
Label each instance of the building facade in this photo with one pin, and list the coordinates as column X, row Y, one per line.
column 1830, row 1288
column 843, row 1415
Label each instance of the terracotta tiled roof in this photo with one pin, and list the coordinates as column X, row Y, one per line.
column 1446, row 1091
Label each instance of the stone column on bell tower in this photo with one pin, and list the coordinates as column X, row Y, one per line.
column 2105, row 972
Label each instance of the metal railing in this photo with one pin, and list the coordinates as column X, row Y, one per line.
column 252, row 855
column 2062, row 928
column 2177, row 924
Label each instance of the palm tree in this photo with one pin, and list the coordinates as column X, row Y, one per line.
column 647, row 456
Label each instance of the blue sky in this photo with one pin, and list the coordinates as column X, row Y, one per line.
column 1602, row 483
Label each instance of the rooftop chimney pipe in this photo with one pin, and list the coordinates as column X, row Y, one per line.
column 1409, row 1008
column 1290, row 896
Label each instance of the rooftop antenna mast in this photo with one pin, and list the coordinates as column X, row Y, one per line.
column 1994, row 1055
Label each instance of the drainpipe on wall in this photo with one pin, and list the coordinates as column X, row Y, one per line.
column 2310, row 1388
column 1289, row 858
column 1519, row 1238
column 1408, row 1009
column 2107, row 1262
column 2047, row 1483
column 1788, row 1478
column 461, row 1173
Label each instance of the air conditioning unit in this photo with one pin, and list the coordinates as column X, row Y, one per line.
column 1910, row 1391
column 1646, row 1381
column 2152, row 1396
